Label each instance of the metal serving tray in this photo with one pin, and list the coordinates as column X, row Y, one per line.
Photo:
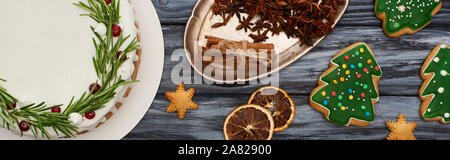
column 196, row 25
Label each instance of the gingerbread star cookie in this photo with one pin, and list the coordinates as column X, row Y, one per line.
column 181, row 100
column 401, row 130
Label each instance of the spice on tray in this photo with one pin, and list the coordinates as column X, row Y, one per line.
column 256, row 46
column 223, row 45
column 304, row 19
column 244, row 50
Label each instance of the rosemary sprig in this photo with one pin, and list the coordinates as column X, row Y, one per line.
column 100, row 11
column 91, row 102
column 36, row 115
column 106, row 64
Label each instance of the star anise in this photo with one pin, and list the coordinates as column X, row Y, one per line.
column 321, row 29
column 303, row 19
column 275, row 29
column 237, row 8
column 333, row 3
column 226, row 18
column 274, row 16
column 218, row 9
column 257, row 7
column 260, row 25
column 244, row 24
column 259, row 37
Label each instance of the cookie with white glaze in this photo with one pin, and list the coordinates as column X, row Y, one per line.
column 435, row 90
column 400, row 17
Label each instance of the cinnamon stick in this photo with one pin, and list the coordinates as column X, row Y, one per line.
column 240, row 46
column 257, row 46
column 213, row 43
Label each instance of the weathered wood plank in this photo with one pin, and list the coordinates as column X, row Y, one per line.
column 207, row 121
column 399, row 58
column 359, row 12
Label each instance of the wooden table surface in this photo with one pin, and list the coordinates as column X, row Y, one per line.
column 400, row 59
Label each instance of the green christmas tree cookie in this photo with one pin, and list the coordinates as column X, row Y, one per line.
column 435, row 91
column 348, row 91
column 405, row 16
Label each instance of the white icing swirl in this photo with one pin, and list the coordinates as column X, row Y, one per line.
column 75, row 118
column 101, row 29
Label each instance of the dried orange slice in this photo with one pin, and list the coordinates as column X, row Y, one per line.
column 278, row 102
column 249, row 122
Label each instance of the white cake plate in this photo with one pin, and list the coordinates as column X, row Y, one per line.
column 143, row 93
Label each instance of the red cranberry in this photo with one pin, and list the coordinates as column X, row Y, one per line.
column 89, row 115
column 119, row 54
column 107, row 2
column 11, row 106
column 94, row 87
column 56, row 109
column 24, row 126
column 116, row 30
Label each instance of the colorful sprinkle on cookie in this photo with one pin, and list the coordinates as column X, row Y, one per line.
column 405, row 16
column 435, row 90
column 352, row 101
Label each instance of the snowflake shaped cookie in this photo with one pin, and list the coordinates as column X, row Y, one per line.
column 181, row 100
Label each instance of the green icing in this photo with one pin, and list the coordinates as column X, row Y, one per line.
column 400, row 14
column 341, row 107
column 439, row 106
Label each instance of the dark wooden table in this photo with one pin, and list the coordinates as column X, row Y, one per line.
column 400, row 59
